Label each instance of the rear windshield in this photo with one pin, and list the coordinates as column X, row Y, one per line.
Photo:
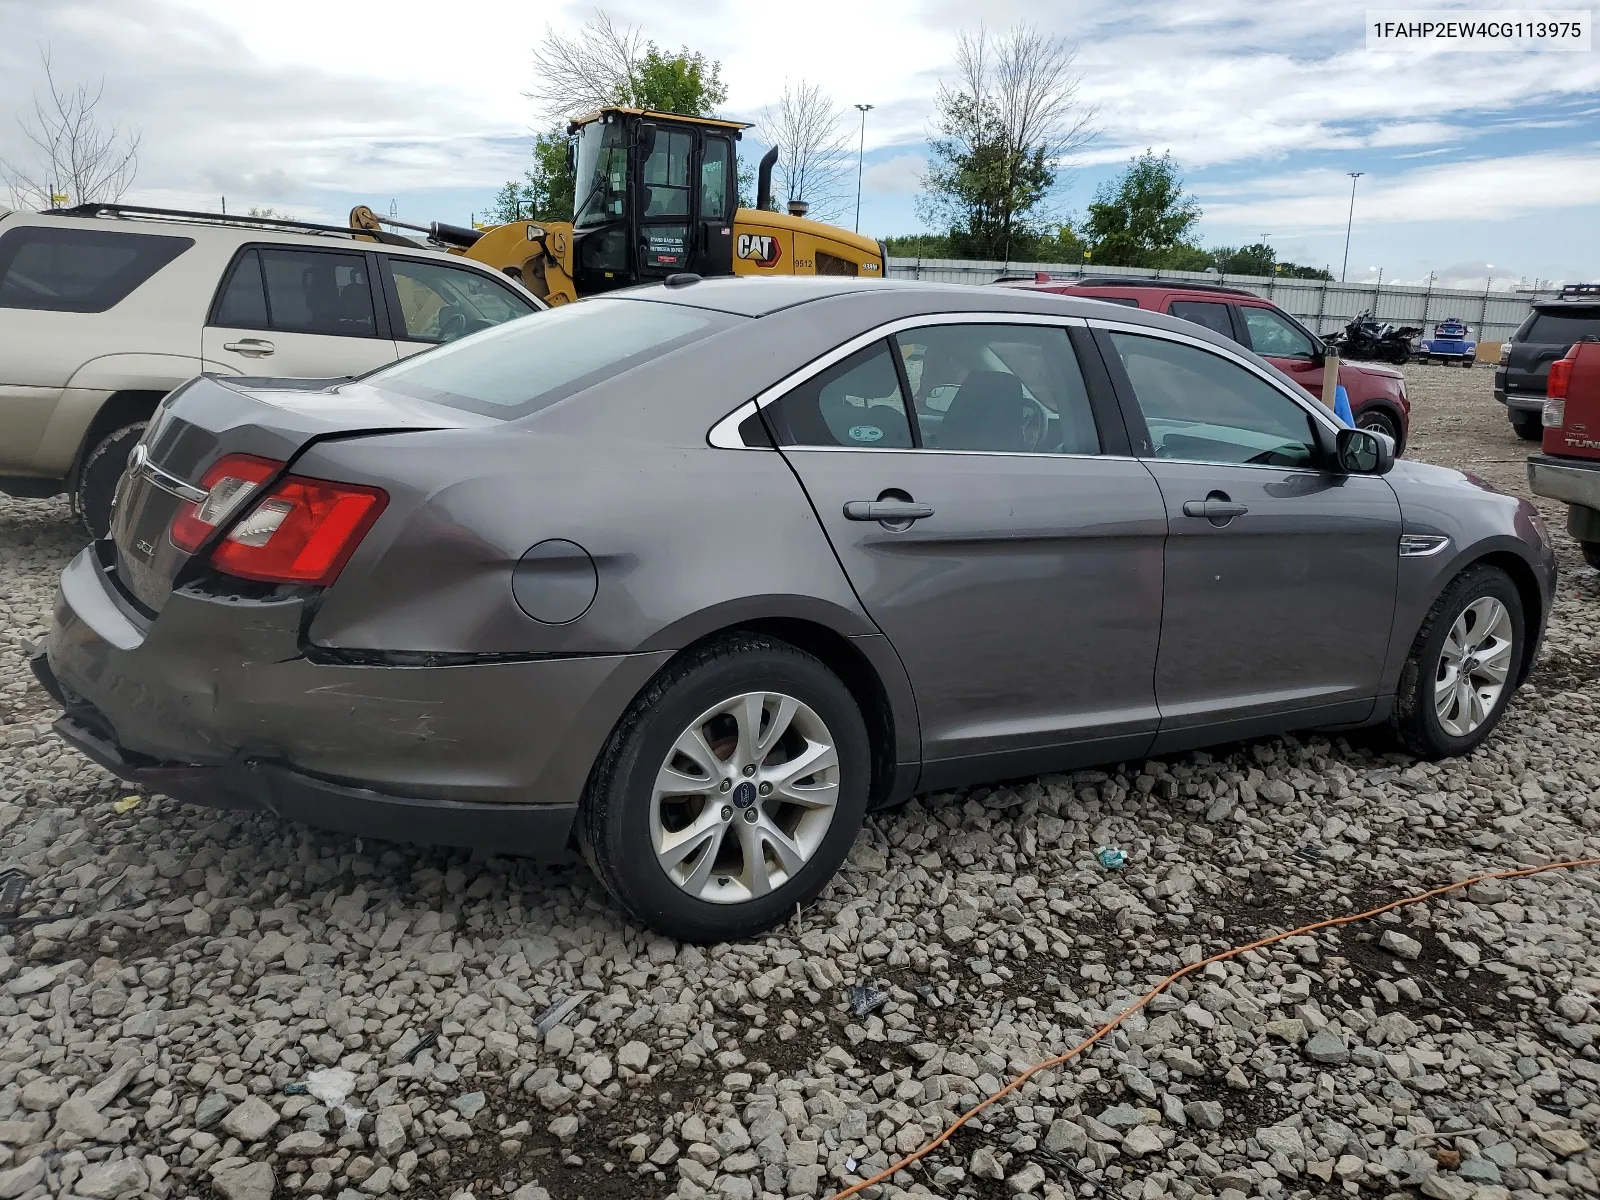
column 1561, row 328
column 79, row 270
column 532, row 362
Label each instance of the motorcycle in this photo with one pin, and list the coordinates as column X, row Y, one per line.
column 1367, row 338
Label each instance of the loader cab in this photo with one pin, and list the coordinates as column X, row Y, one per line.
column 654, row 194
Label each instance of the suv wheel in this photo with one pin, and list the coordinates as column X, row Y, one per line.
column 1591, row 553
column 730, row 791
column 1379, row 421
column 97, row 479
column 1528, row 425
column 1463, row 666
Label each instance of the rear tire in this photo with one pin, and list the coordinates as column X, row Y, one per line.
column 101, row 471
column 1464, row 664
column 690, row 845
column 1591, row 553
column 1466, row 362
column 1529, row 426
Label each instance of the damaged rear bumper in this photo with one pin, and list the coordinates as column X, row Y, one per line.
column 215, row 703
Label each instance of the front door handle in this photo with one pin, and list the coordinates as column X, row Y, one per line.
column 1216, row 508
column 890, row 512
column 252, row 347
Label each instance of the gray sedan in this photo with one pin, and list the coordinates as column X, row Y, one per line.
column 691, row 577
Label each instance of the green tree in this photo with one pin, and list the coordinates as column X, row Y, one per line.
column 604, row 63
column 686, row 82
column 1141, row 216
column 920, row 245
column 1004, row 124
column 545, row 191
column 1258, row 259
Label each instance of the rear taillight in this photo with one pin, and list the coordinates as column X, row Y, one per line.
column 1505, row 353
column 1560, row 375
column 302, row 531
column 228, row 484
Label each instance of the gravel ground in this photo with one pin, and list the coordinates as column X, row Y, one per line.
column 238, row 1008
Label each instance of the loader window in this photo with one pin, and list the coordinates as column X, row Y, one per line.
column 715, row 172
column 666, row 174
column 601, row 179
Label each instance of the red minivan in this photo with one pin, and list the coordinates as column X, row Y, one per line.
column 1377, row 394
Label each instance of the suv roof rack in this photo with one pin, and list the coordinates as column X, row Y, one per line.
column 1584, row 290
column 179, row 214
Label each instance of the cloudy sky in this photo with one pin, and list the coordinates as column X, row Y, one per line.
column 1476, row 165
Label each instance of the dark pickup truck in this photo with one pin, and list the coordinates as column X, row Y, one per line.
column 1547, row 333
column 1569, row 467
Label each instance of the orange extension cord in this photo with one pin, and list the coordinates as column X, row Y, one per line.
column 1059, row 1059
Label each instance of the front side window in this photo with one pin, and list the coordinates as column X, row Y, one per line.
column 313, row 291
column 601, row 175
column 79, row 270
column 856, row 402
column 1272, row 335
column 1003, row 388
column 1200, row 407
column 523, row 366
column 1209, row 313
column 440, row 303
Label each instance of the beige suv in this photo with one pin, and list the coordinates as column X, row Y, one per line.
column 105, row 309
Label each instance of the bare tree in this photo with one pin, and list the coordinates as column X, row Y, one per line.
column 75, row 153
column 1006, row 126
column 813, row 149
column 597, row 66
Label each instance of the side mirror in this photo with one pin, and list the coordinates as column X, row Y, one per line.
column 1364, row 452
column 1319, row 352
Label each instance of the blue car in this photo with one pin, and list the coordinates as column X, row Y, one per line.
column 1450, row 343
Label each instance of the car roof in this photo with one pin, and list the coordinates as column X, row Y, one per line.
column 868, row 301
column 1134, row 288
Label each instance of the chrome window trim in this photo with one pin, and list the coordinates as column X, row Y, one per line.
column 724, row 435
column 1324, row 417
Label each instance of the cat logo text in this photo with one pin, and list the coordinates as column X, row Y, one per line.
column 760, row 248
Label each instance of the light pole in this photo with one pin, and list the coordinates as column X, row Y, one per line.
column 861, row 155
column 1354, row 175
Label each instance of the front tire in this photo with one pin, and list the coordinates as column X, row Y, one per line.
column 729, row 792
column 1529, row 426
column 101, row 471
column 1463, row 666
column 1379, row 421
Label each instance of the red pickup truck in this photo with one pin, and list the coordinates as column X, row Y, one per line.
column 1569, row 467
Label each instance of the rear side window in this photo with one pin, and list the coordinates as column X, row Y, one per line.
column 1209, row 313
column 523, row 366
column 312, row 291
column 1562, row 328
column 79, row 270
column 243, row 304
column 856, row 403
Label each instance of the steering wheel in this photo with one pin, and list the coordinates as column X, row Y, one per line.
column 1035, row 424
column 453, row 325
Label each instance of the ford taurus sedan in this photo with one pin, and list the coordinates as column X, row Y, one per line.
column 690, row 577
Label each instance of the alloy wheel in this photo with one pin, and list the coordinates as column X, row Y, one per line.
column 745, row 797
column 1474, row 666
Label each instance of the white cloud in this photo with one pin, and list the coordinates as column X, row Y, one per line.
column 898, row 176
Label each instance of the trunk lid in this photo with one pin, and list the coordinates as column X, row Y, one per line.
column 1578, row 435
column 208, row 418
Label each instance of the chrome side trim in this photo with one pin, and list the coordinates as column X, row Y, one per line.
column 139, row 463
column 724, row 435
column 1422, row 545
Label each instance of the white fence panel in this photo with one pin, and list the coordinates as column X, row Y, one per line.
column 1323, row 305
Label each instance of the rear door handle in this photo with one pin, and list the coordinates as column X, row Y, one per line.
column 1215, row 507
column 254, row 347
column 888, row 511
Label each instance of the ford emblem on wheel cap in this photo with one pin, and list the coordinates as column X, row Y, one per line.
column 744, row 795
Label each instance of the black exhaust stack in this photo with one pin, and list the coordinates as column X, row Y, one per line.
column 453, row 235
column 764, row 179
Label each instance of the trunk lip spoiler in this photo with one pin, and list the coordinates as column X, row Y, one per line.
column 139, row 463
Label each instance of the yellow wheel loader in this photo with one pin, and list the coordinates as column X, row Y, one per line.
column 656, row 194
